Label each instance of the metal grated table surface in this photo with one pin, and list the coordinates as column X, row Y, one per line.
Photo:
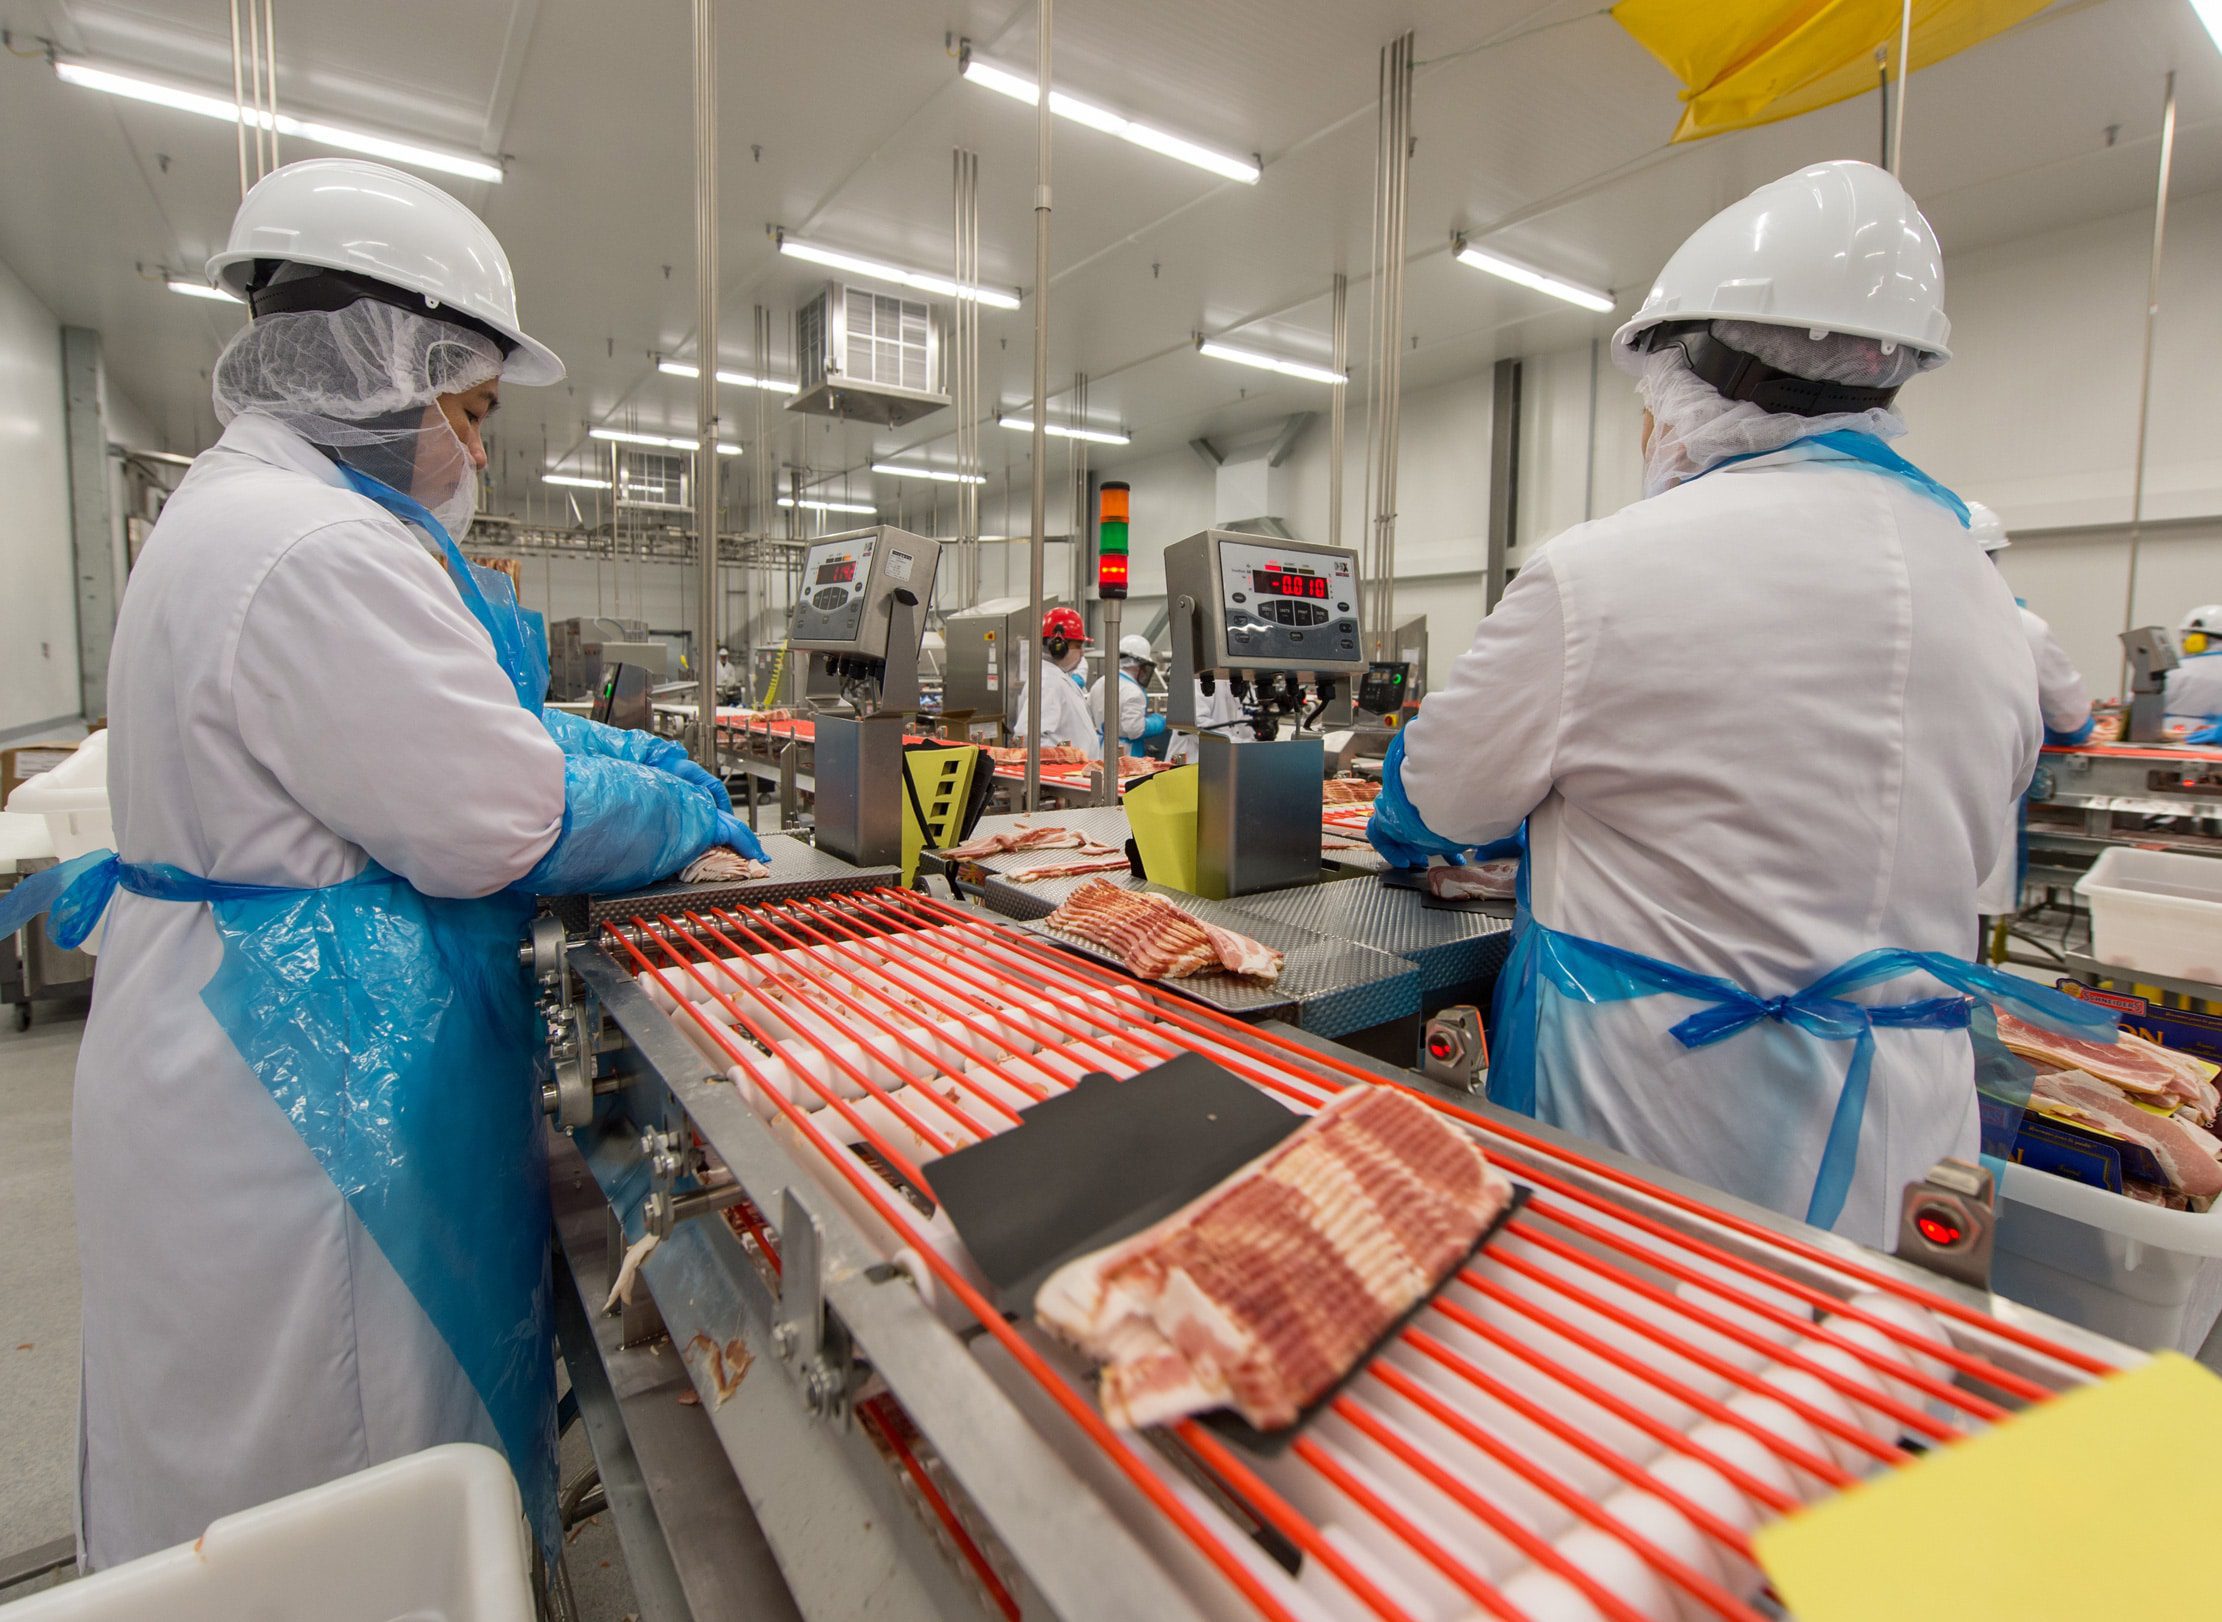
column 1106, row 824
column 1449, row 946
column 797, row 869
column 1330, row 987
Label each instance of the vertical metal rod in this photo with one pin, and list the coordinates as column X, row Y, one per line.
column 706, row 390
column 270, row 52
column 1041, row 403
column 2145, row 374
column 239, row 97
column 1898, row 111
column 254, row 80
column 762, row 495
column 1338, row 409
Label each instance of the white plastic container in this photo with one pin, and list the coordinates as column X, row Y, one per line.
column 2156, row 910
column 436, row 1537
column 73, row 798
column 2148, row 1277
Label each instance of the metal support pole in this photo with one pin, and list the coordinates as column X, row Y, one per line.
column 254, row 82
column 1338, row 409
column 1898, row 110
column 239, row 97
column 270, row 56
column 2145, row 374
column 1113, row 675
column 1041, row 405
column 91, row 521
column 706, row 392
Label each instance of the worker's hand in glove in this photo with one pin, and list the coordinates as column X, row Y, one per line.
column 586, row 739
column 1395, row 829
column 626, row 825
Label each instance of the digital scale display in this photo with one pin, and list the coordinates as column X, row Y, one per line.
column 1287, row 583
column 838, row 572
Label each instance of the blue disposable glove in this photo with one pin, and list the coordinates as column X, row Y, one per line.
column 2210, row 734
column 1153, row 727
column 1396, row 830
column 626, row 825
column 2069, row 739
column 576, row 735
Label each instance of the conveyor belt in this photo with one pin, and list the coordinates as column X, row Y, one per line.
column 1591, row 1420
column 1450, row 946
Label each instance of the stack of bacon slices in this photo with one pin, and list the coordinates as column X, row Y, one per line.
column 2130, row 1089
column 1348, row 791
column 1267, row 1290
column 1154, row 939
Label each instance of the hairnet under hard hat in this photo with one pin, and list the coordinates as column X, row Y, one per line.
column 1694, row 428
column 362, row 383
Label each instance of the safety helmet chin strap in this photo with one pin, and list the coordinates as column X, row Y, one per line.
column 1735, row 375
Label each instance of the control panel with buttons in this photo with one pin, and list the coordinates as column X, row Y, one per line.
column 847, row 585
column 1266, row 604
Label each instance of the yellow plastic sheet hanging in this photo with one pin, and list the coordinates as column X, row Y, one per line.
column 1161, row 812
column 1746, row 62
column 2064, row 1511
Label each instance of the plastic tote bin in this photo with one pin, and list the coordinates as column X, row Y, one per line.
column 73, row 798
column 436, row 1537
column 2156, row 910
column 2148, row 1277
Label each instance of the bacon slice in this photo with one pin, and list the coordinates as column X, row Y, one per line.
column 1065, row 870
column 2131, row 1063
column 1154, row 938
column 1267, row 1290
column 722, row 864
column 1053, row 754
column 2190, row 1156
column 1348, row 791
column 1023, row 837
column 1492, row 881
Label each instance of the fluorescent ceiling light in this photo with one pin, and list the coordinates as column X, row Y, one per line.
column 1020, row 88
column 2210, row 13
column 1271, row 363
column 940, row 475
column 815, row 505
column 210, row 105
column 1496, row 264
column 738, row 380
column 880, row 271
column 574, row 481
column 660, row 441
column 1095, row 436
column 178, row 284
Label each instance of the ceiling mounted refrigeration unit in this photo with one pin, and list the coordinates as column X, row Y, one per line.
column 869, row 356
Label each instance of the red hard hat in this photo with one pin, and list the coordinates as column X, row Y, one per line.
column 1067, row 623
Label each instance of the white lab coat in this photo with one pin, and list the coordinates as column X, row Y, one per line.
column 295, row 686
column 1065, row 717
column 1212, row 710
column 1758, row 725
column 2064, row 704
column 1134, row 706
column 2195, row 689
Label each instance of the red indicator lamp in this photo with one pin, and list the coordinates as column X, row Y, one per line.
column 1938, row 1226
column 1111, row 537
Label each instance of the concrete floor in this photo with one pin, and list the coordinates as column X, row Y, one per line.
column 38, row 1324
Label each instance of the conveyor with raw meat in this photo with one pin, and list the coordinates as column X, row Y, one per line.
column 1589, row 1418
column 1155, row 939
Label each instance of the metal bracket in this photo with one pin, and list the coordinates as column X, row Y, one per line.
column 1453, row 1050
column 805, row 1335
column 1947, row 1223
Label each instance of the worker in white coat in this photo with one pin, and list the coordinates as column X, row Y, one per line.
column 1216, row 711
column 314, row 1229
column 2063, row 705
column 1760, row 726
column 2194, row 693
column 1137, row 724
column 1066, row 722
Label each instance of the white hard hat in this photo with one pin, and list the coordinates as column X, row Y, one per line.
column 1835, row 248
column 1136, row 647
column 2207, row 620
column 1986, row 528
column 347, row 215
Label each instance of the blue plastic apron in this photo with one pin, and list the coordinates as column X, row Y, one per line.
column 1587, row 972
column 396, row 1032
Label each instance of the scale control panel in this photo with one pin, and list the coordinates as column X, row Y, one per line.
column 848, row 582
column 1269, row 604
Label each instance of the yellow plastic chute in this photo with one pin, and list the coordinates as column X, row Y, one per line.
column 1746, row 62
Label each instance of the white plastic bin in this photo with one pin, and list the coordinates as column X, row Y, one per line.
column 2156, row 910
column 436, row 1537
column 2148, row 1277
column 73, row 798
